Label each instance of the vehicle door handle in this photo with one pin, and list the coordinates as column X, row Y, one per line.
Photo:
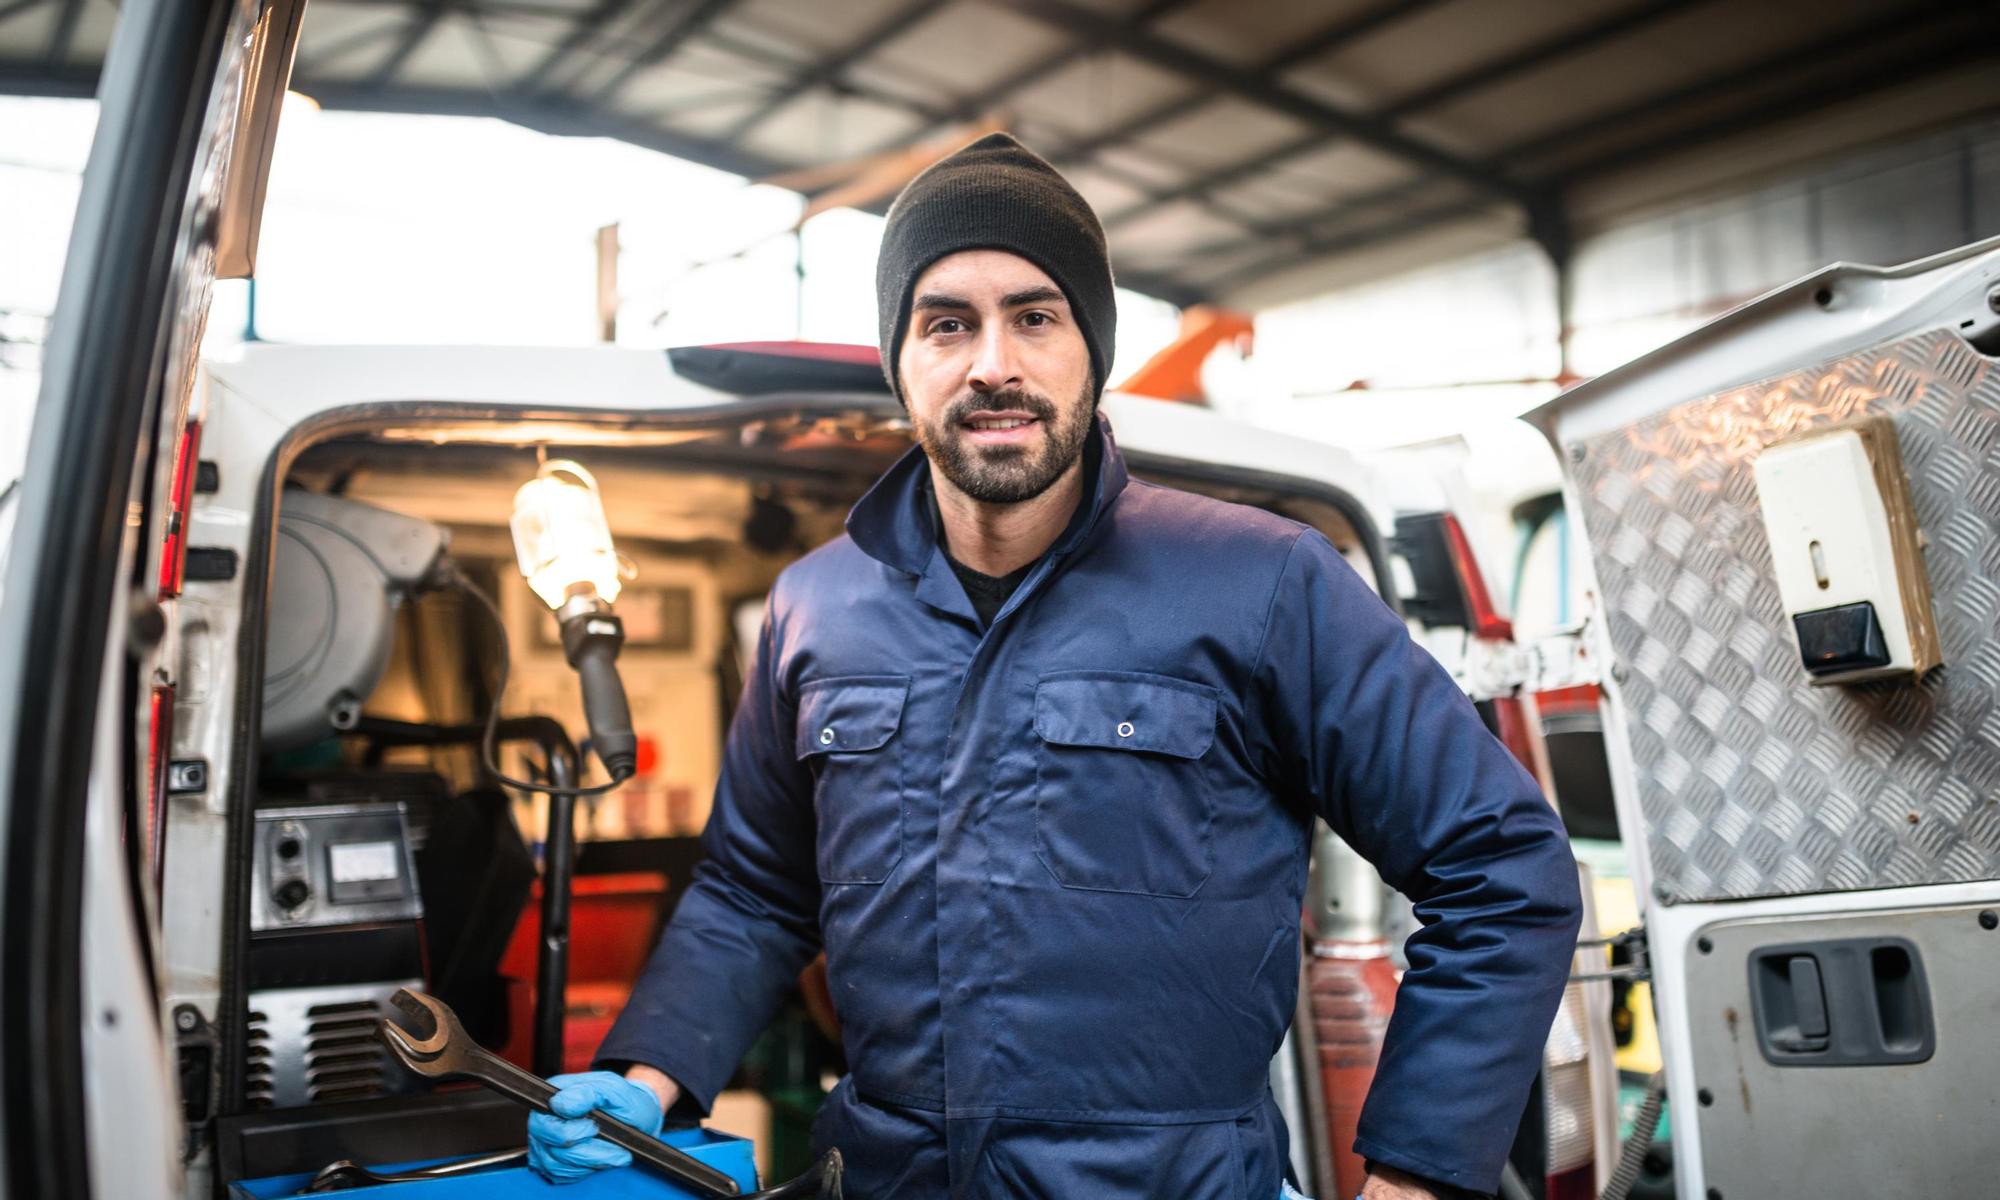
column 1808, row 1002
column 1842, row 1002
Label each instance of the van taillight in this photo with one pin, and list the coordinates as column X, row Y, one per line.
column 1577, row 1183
column 159, row 756
column 1486, row 619
column 173, row 552
column 1569, row 1118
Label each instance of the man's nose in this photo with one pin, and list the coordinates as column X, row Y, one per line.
column 994, row 364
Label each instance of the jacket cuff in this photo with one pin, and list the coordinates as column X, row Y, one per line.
column 695, row 1101
column 1447, row 1183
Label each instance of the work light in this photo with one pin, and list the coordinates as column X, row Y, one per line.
column 563, row 545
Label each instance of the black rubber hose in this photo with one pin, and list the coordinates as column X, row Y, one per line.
column 1632, row 1157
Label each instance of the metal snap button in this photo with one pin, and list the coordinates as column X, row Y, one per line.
column 1124, row 729
column 826, row 736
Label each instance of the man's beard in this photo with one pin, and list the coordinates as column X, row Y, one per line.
column 1006, row 474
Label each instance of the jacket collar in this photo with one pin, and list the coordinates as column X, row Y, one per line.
column 892, row 523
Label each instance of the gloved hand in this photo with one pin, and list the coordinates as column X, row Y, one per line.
column 565, row 1147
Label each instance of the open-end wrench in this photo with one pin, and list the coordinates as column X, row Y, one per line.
column 436, row 1045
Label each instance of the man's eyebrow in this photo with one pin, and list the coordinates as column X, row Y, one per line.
column 1040, row 294
column 941, row 300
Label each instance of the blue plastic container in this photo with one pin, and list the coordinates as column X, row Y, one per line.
column 731, row 1155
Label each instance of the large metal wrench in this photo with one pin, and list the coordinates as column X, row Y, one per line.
column 447, row 1052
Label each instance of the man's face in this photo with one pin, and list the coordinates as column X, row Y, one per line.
column 996, row 375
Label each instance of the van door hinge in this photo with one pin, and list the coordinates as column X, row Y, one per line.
column 1561, row 659
column 1630, row 946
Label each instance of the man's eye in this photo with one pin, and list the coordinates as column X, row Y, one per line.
column 1035, row 318
column 948, row 325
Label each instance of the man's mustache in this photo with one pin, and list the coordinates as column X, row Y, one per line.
column 1013, row 400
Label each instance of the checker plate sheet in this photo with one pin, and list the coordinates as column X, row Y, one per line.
column 1752, row 782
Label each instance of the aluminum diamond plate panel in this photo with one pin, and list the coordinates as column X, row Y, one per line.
column 1752, row 782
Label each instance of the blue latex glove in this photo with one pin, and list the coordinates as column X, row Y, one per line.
column 564, row 1147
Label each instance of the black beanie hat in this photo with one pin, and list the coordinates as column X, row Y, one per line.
column 996, row 194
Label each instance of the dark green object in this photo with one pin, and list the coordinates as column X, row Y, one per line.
column 785, row 1065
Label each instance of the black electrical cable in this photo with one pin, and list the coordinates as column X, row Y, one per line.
column 450, row 575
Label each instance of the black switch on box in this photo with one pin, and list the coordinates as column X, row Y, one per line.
column 1836, row 640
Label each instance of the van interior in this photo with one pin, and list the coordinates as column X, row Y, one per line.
column 384, row 855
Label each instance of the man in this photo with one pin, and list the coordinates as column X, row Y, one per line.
column 1033, row 752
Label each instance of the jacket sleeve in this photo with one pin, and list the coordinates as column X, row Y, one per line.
column 1371, row 729
column 748, row 923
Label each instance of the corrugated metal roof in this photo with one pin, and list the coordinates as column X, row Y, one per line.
column 1223, row 141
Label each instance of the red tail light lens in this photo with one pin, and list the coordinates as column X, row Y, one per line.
column 1486, row 619
column 159, row 756
column 1579, row 1183
column 173, row 553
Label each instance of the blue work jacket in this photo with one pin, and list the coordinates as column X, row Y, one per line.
column 1057, row 864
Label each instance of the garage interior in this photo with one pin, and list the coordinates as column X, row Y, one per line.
column 1554, row 187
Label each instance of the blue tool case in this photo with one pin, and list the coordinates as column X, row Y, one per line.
column 726, row 1153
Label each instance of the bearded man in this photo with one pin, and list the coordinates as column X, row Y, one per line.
column 1033, row 753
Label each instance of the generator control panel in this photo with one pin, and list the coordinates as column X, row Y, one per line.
column 324, row 865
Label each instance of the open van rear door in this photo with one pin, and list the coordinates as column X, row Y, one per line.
column 187, row 102
column 1818, row 859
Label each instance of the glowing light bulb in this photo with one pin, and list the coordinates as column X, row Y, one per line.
column 561, row 539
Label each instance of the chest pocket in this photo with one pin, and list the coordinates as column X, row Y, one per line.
column 847, row 731
column 1122, row 801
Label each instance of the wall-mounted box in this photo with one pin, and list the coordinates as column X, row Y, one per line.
column 1847, row 553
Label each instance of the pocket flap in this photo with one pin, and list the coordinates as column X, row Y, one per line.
column 1118, row 710
column 859, row 712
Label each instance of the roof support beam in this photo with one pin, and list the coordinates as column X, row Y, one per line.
column 1567, row 42
column 1966, row 41
column 828, row 70
column 1258, row 87
column 691, row 19
column 65, row 31
column 1973, row 40
column 1549, row 49
column 333, row 51
column 1354, row 239
column 542, row 113
column 420, row 27
column 68, row 81
column 996, row 94
column 585, row 29
column 1897, row 24
column 1325, row 41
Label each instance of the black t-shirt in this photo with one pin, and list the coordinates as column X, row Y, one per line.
column 988, row 593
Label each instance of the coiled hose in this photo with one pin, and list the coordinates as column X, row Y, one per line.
column 1632, row 1158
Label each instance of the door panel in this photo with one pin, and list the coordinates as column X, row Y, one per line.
column 1781, row 1121
column 1761, row 812
column 1753, row 781
column 85, row 1084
